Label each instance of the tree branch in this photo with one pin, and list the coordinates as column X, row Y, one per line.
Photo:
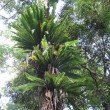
column 7, row 19
column 5, row 5
column 92, row 74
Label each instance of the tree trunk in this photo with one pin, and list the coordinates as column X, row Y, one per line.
column 48, row 101
column 106, row 106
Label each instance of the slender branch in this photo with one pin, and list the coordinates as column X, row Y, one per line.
column 7, row 19
column 5, row 5
column 92, row 74
column 3, row 17
column 13, row 16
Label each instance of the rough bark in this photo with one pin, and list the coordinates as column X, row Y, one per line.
column 49, row 101
column 106, row 106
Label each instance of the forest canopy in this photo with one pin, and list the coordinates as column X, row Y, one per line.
column 63, row 57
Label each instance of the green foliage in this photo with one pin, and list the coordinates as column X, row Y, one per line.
column 56, row 59
column 2, row 51
column 27, row 99
column 35, row 27
column 53, row 53
column 17, row 53
column 52, row 2
column 30, row 22
column 92, row 22
column 27, row 87
column 31, row 78
column 14, row 107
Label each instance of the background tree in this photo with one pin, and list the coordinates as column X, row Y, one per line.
column 92, row 28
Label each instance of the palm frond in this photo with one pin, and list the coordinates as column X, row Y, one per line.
column 27, row 87
column 33, row 78
column 28, row 29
